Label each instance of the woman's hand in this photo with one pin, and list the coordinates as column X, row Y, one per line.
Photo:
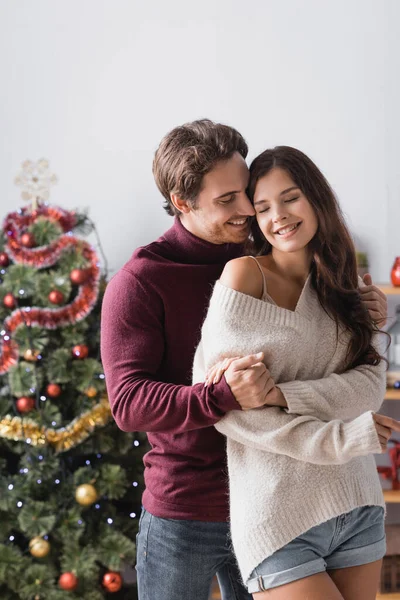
column 384, row 428
column 214, row 375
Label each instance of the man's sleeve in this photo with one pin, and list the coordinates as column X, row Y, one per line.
column 132, row 349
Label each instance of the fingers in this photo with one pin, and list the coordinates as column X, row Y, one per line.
column 214, row 375
column 383, row 432
column 373, row 292
column 387, row 422
column 367, row 279
column 375, row 302
column 247, row 361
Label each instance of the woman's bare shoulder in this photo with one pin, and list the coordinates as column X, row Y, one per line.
column 243, row 275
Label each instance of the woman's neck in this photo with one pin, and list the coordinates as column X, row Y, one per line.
column 292, row 265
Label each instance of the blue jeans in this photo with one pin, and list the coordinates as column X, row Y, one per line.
column 176, row 560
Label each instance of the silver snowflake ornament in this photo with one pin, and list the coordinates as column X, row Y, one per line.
column 35, row 179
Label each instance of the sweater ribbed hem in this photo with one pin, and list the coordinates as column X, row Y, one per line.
column 360, row 437
column 297, row 395
column 267, row 537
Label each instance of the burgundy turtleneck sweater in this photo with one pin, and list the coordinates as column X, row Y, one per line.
column 152, row 314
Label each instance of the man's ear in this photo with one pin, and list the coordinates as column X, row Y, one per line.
column 182, row 205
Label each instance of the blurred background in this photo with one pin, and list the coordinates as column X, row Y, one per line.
column 93, row 86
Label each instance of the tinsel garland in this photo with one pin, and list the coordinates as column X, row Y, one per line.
column 43, row 257
column 62, row 439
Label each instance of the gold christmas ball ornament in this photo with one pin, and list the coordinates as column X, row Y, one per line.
column 38, row 547
column 86, row 494
column 31, row 355
column 91, row 392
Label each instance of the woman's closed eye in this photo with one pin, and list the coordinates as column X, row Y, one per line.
column 266, row 208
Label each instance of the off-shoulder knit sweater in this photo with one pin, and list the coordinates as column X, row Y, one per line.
column 292, row 469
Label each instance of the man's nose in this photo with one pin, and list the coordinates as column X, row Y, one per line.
column 246, row 207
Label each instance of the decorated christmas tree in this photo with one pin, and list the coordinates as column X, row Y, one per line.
column 70, row 481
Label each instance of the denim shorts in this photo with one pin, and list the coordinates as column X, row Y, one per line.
column 352, row 539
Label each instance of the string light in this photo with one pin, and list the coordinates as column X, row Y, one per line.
column 11, row 538
column 132, row 515
column 11, row 487
column 57, row 481
column 135, row 483
column 19, row 504
column 97, row 506
column 110, row 521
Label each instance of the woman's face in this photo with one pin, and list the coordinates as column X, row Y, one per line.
column 284, row 215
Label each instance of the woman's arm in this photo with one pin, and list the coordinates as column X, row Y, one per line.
column 303, row 438
column 345, row 395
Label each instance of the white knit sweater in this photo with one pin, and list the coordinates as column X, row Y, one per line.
column 288, row 473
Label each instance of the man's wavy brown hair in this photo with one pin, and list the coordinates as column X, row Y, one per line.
column 334, row 268
column 189, row 152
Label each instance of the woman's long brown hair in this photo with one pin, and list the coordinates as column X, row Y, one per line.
column 334, row 268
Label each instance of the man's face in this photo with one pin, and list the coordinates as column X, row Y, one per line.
column 222, row 211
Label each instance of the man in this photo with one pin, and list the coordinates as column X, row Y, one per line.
column 152, row 315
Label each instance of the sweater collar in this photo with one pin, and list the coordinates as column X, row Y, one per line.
column 193, row 250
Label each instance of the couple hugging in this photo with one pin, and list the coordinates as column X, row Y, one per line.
column 245, row 345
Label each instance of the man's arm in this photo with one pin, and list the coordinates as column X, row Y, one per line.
column 132, row 349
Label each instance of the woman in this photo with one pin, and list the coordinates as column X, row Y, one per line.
column 304, row 490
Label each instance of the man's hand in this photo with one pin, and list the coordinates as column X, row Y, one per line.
column 375, row 301
column 248, row 378
column 384, row 428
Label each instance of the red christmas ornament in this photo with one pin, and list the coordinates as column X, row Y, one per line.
column 68, row 582
column 112, row 581
column 9, row 301
column 395, row 273
column 25, row 404
column 53, row 390
column 4, row 260
column 79, row 276
column 28, row 240
column 56, row 297
column 80, row 351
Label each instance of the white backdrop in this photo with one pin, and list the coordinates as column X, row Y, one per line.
column 93, row 86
